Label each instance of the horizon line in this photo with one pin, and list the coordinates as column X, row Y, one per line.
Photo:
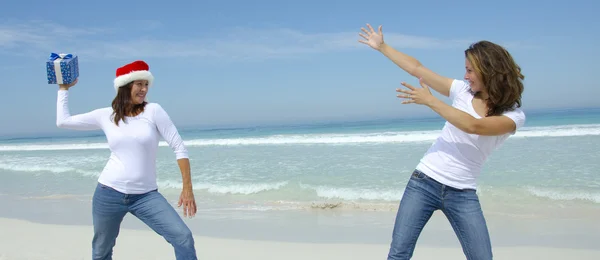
column 66, row 134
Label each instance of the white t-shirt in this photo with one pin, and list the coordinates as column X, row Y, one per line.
column 131, row 168
column 455, row 159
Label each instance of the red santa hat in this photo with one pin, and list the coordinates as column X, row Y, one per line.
column 137, row 70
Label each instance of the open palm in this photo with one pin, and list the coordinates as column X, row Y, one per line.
column 372, row 38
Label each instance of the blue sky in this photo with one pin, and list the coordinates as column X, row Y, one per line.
column 262, row 62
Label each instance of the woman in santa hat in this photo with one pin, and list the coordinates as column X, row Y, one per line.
column 127, row 184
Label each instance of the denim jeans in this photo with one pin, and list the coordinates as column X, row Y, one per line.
column 423, row 196
column 109, row 208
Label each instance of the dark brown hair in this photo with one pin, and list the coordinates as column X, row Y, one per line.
column 500, row 74
column 123, row 106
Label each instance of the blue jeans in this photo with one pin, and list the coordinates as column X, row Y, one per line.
column 109, row 208
column 423, row 196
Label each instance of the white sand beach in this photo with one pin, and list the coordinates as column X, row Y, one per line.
column 20, row 240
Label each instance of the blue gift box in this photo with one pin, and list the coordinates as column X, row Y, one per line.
column 62, row 68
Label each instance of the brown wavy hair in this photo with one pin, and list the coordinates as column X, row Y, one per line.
column 500, row 74
column 122, row 105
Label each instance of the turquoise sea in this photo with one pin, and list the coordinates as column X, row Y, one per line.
column 353, row 165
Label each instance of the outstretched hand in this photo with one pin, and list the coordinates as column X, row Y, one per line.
column 421, row 96
column 67, row 86
column 372, row 38
column 189, row 203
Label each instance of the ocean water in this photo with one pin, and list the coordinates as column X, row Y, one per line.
column 359, row 166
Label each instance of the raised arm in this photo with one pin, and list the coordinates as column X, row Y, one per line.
column 409, row 64
column 64, row 119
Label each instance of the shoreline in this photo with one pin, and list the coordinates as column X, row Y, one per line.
column 29, row 240
column 561, row 226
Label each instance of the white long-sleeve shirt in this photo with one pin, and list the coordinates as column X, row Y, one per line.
column 131, row 168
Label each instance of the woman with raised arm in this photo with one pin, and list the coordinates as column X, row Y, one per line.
column 133, row 128
column 485, row 111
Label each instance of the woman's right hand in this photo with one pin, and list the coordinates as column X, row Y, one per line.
column 67, row 86
column 372, row 38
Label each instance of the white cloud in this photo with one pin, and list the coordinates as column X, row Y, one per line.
column 236, row 43
column 39, row 33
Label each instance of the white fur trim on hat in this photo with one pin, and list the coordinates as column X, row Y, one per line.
column 132, row 76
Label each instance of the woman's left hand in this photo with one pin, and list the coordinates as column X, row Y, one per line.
column 421, row 96
column 189, row 203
